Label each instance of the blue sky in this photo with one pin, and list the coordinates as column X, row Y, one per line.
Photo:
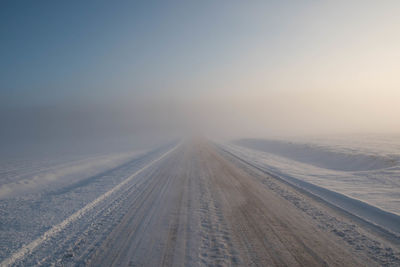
column 53, row 51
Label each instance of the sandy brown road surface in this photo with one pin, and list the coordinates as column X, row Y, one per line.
column 202, row 207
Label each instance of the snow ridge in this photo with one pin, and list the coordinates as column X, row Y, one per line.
column 25, row 250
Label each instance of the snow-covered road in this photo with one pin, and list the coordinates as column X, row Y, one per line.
column 371, row 214
column 187, row 205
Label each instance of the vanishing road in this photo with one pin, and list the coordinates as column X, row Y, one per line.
column 200, row 206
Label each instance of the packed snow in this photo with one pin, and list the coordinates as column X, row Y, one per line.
column 38, row 194
column 364, row 167
column 20, row 177
column 163, row 196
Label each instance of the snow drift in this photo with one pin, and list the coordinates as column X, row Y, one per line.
column 319, row 156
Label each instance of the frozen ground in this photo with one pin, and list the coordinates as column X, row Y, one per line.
column 23, row 176
column 186, row 204
column 366, row 168
column 37, row 195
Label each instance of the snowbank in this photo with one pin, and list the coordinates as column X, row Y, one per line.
column 319, row 156
column 369, row 173
column 19, row 178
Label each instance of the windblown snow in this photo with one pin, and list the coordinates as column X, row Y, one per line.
column 196, row 203
column 366, row 168
column 30, row 176
column 38, row 194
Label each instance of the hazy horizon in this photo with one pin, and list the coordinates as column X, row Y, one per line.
column 97, row 70
column 199, row 133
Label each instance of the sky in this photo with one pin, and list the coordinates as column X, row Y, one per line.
column 72, row 69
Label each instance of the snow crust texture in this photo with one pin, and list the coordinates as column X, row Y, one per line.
column 188, row 204
column 368, row 171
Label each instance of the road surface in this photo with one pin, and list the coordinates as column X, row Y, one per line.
column 197, row 205
column 202, row 209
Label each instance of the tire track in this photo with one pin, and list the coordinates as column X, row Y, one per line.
column 29, row 248
column 196, row 207
column 268, row 230
column 363, row 242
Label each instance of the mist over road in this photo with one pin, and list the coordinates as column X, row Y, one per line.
column 303, row 99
